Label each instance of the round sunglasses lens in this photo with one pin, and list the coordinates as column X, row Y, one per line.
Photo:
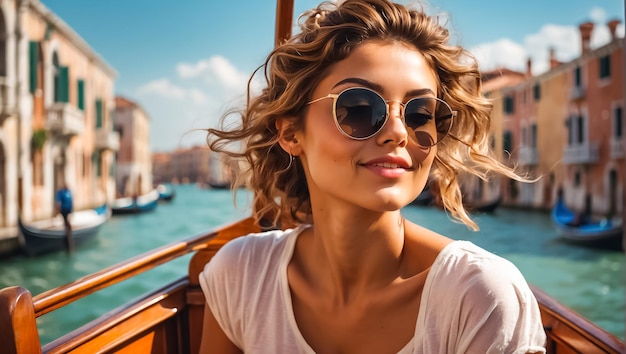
column 427, row 117
column 360, row 113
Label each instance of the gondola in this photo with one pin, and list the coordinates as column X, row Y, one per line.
column 166, row 192
column 582, row 231
column 169, row 319
column 130, row 205
column 488, row 206
column 46, row 236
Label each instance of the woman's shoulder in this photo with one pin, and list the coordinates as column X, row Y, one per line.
column 474, row 270
column 253, row 248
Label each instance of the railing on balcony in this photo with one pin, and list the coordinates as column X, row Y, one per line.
column 585, row 153
column 617, row 148
column 107, row 139
column 64, row 119
column 577, row 92
column 527, row 156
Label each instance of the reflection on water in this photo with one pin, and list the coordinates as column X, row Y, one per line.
column 589, row 281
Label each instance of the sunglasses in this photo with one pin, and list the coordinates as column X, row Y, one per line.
column 361, row 113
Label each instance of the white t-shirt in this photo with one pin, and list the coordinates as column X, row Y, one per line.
column 473, row 301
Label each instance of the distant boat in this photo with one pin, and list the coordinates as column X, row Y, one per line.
column 424, row 199
column 166, row 192
column 219, row 184
column 602, row 234
column 129, row 205
column 48, row 235
column 488, row 206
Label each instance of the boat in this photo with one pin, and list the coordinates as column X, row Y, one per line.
column 46, row 236
column 488, row 206
column 166, row 192
column 130, row 205
column 572, row 227
column 169, row 319
column 425, row 198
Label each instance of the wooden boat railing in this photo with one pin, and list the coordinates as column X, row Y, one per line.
column 169, row 320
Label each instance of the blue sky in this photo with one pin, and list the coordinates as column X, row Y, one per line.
column 186, row 61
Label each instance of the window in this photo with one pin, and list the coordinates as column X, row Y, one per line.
column 578, row 77
column 507, row 141
column 98, row 113
column 533, row 135
column 81, row 94
column 537, row 92
column 618, row 123
column 33, row 56
column 577, row 179
column 580, row 123
column 509, row 105
column 605, row 67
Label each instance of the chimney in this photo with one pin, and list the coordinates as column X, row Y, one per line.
column 585, row 36
column 553, row 62
column 529, row 67
column 613, row 28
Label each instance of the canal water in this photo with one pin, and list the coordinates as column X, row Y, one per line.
column 590, row 281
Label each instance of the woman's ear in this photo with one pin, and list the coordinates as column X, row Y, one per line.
column 287, row 136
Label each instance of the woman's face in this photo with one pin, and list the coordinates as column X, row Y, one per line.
column 388, row 170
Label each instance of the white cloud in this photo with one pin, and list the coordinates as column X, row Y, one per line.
column 501, row 53
column 215, row 70
column 195, row 96
column 163, row 88
column 565, row 40
column 597, row 15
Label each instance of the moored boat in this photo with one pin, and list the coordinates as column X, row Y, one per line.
column 488, row 206
column 166, row 192
column 45, row 236
column 584, row 231
column 130, row 205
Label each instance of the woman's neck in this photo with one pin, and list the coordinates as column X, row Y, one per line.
column 350, row 254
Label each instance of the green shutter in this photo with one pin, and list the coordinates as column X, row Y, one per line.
column 65, row 84
column 33, row 52
column 98, row 113
column 81, row 95
column 62, row 82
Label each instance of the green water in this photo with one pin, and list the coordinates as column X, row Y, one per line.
column 587, row 280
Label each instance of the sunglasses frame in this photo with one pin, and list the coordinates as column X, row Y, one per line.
column 335, row 97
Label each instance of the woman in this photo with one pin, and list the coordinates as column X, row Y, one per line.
column 361, row 109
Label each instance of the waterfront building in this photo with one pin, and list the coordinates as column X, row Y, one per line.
column 162, row 171
column 191, row 165
column 567, row 126
column 55, row 94
column 133, row 174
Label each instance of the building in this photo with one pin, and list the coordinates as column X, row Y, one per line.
column 567, row 126
column 134, row 159
column 55, row 98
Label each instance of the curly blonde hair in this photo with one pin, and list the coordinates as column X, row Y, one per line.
column 329, row 33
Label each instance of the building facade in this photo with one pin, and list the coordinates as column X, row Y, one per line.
column 55, row 94
column 134, row 161
column 567, row 127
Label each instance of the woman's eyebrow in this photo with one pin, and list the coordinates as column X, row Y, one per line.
column 378, row 88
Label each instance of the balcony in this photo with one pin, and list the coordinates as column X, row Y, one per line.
column 577, row 92
column 65, row 120
column 617, row 148
column 585, row 153
column 107, row 140
column 4, row 99
column 527, row 156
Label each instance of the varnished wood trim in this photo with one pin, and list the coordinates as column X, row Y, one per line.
column 567, row 329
